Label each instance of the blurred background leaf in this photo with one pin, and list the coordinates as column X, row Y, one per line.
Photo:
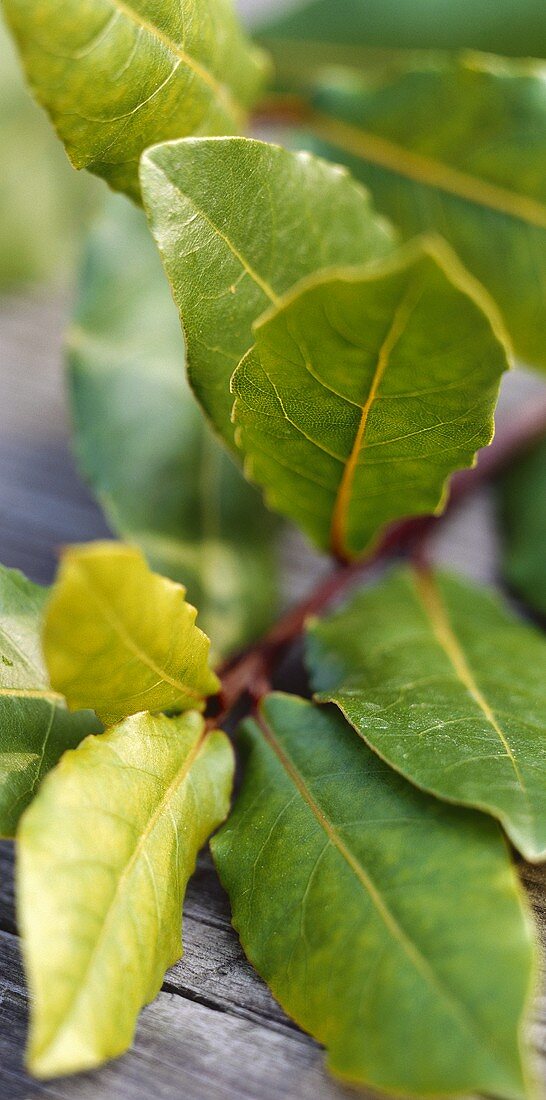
column 522, row 510
column 44, row 203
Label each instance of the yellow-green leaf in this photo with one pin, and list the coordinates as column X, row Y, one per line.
column 238, row 222
column 104, row 855
column 387, row 923
column 35, row 725
column 115, row 76
column 449, row 688
column 456, row 146
column 365, row 390
column 123, row 638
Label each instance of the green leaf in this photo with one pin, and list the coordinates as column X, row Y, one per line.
column 121, row 639
column 367, row 905
column 522, row 506
column 104, row 855
column 365, row 390
column 161, row 476
column 449, row 688
column 44, row 205
column 35, row 726
column 456, row 146
column 116, row 76
column 502, row 27
column 238, row 222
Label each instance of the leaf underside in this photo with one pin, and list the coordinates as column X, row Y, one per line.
column 449, row 688
column 388, row 924
column 121, row 639
column 364, row 391
column 36, row 727
column 104, row 855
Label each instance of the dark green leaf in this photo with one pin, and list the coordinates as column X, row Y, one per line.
column 449, row 688
column 388, row 924
column 365, row 390
column 456, row 146
column 238, row 222
column 35, row 725
column 161, row 476
column 503, row 26
column 115, row 76
column 522, row 503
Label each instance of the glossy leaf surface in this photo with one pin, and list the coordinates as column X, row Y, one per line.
column 388, row 924
column 522, row 505
column 365, row 390
column 121, row 639
column 456, row 146
column 163, row 480
column 449, row 688
column 35, row 725
column 502, row 27
column 104, row 855
column 117, row 76
column 238, row 222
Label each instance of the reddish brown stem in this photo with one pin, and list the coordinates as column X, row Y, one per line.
column 249, row 674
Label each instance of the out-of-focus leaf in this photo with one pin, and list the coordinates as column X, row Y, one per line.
column 35, row 725
column 121, row 639
column 238, row 222
column 104, row 855
column 142, row 442
column 43, row 204
column 365, row 390
column 522, row 505
column 449, row 688
column 388, row 924
column 502, row 27
column 456, row 146
column 115, row 76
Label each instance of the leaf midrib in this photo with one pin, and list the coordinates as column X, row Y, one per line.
column 340, row 514
column 410, row 948
column 431, row 602
column 399, row 160
column 164, row 804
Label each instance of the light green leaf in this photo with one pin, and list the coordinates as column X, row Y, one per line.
column 142, row 442
column 456, row 146
column 449, row 688
column 501, row 27
column 44, row 204
column 121, row 639
column 522, row 506
column 35, row 726
column 238, row 222
column 115, row 76
column 104, row 855
column 365, row 390
column 388, row 924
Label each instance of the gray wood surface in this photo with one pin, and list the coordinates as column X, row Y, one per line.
column 214, row 1032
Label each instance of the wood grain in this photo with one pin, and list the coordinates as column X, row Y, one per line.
column 215, row 1032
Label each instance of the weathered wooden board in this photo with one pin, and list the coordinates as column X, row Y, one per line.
column 215, row 1032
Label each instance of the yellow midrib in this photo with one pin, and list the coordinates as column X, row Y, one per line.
column 426, row 170
column 33, row 693
column 338, row 530
column 436, row 612
column 221, row 91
